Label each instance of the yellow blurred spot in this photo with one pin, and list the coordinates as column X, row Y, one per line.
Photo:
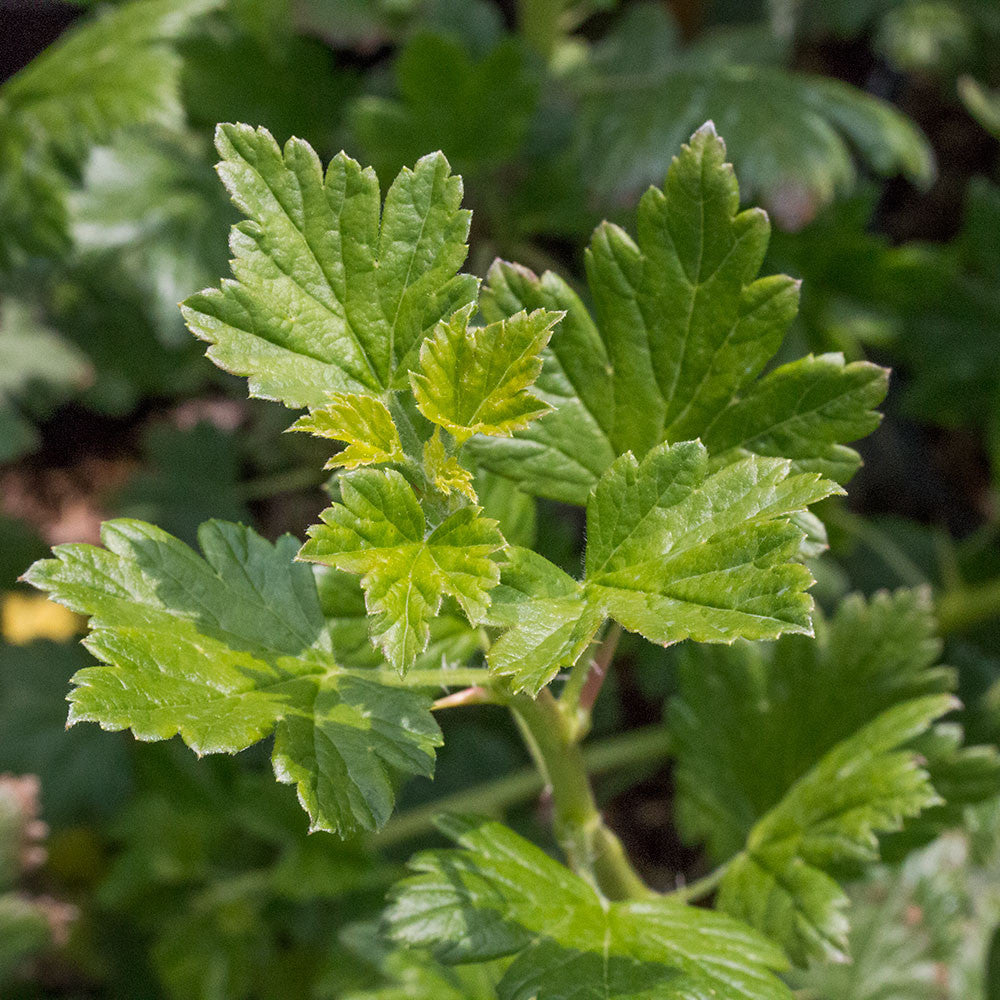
column 26, row 617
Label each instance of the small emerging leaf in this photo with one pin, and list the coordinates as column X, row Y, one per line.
column 475, row 381
column 363, row 422
column 444, row 471
column 379, row 530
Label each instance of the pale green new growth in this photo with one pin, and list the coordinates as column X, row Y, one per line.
column 681, row 330
column 781, row 883
column 475, row 381
column 333, row 292
column 499, row 895
column 444, row 472
column 228, row 648
column 363, row 423
column 674, row 551
column 379, row 530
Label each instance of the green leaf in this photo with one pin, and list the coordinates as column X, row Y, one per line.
column 444, row 472
column 919, row 931
column 110, row 72
column 84, row 774
column 498, row 894
column 782, row 883
column 476, row 381
column 477, row 111
column 793, row 136
column 982, row 103
column 681, row 329
column 674, row 551
column 751, row 720
column 150, row 202
column 225, row 649
column 364, row 423
column 364, row 287
column 37, row 368
column 379, row 530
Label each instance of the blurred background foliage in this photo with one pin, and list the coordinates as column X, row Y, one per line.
column 868, row 128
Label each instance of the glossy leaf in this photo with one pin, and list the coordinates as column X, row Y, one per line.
column 476, row 381
column 499, row 895
column 364, row 423
column 227, row 648
column 680, row 331
column 365, row 284
column 674, row 551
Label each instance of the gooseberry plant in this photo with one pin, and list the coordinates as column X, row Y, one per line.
column 650, row 407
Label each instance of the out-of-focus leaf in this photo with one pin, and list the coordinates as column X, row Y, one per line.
column 982, row 104
column 475, row 110
column 84, row 773
column 783, row 882
column 918, row 932
column 188, row 477
column 791, row 135
column 106, row 73
column 152, row 202
column 37, row 367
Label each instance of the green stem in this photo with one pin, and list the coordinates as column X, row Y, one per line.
column 587, row 679
column 459, row 677
column 493, row 798
column 700, row 887
column 539, row 23
column 591, row 849
column 964, row 607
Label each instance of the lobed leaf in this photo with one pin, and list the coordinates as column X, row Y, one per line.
column 330, row 294
column 674, row 551
column 680, row 331
column 499, row 895
column 364, row 423
column 379, row 530
column 226, row 648
column 476, row 381
column 782, row 883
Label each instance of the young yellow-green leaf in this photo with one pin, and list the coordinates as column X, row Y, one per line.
column 782, row 882
column 680, row 331
column 475, row 381
column 380, row 531
column 674, row 551
column 364, row 423
column 228, row 647
column 330, row 294
column 500, row 895
column 444, row 472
